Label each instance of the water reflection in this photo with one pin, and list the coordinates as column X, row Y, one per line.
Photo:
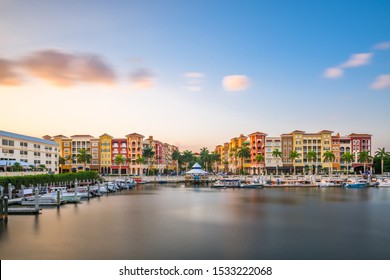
column 183, row 222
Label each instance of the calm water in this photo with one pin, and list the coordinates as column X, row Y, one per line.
column 177, row 222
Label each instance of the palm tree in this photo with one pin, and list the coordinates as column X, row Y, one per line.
column 293, row 156
column 17, row 166
column 233, row 155
column 148, row 153
column 119, row 160
column 243, row 152
column 61, row 162
column 382, row 154
column 364, row 157
column 42, row 167
column 188, row 157
column 277, row 154
column 259, row 159
column 215, row 158
column 176, row 155
column 140, row 160
column 83, row 157
column 348, row 158
column 329, row 156
column 312, row 156
column 204, row 157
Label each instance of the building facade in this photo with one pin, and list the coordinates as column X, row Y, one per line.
column 29, row 152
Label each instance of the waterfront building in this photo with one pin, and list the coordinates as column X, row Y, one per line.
column 234, row 146
column 80, row 142
column 28, row 151
column 257, row 146
column 287, row 147
column 345, row 146
column 105, row 153
column 95, row 155
column 135, row 144
column 119, row 147
column 360, row 142
column 336, row 151
column 272, row 163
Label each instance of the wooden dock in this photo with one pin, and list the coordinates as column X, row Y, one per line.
column 23, row 211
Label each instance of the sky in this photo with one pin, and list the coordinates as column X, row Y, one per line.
column 195, row 73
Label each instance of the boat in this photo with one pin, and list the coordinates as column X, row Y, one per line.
column 227, row 183
column 383, row 183
column 356, row 184
column 43, row 200
column 325, row 184
column 69, row 197
column 252, row 185
column 257, row 183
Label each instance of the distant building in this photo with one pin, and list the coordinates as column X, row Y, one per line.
column 28, row 150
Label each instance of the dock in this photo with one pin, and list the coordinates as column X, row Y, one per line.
column 23, row 211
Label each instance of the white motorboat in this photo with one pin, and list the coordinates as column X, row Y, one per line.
column 69, row 197
column 43, row 200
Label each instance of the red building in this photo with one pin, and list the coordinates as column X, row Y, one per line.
column 360, row 143
column 119, row 147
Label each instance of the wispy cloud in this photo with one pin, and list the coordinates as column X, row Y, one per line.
column 382, row 46
column 235, row 82
column 334, row 72
column 381, row 82
column 356, row 60
column 142, row 78
column 194, row 81
column 66, row 69
column 8, row 75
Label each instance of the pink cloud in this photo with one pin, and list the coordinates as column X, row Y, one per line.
column 8, row 76
column 334, row 72
column 381, row 82
column 66, row 69
column 358, row 59
column 142, row 79
column 235, row 82
column 382, row 46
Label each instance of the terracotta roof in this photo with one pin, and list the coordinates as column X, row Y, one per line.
column 359, row 135
column 60, row 136
column 298, row 131
column 135, row 134
column 326, row 131
column 105, row 134
column 256, row 133
column 84, row 136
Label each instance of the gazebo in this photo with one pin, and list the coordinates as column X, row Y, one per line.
column 197, row 170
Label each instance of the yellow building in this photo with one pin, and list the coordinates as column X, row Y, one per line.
column 105, row 153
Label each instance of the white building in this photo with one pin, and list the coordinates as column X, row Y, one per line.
column 28, row 150
column 272, row 143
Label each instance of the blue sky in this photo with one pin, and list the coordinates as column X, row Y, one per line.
column 195, row 73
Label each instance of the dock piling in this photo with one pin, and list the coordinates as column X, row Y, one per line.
column 10, row 188
column 6, row 208
column 36, row 199
column 1, row 208
column 58, row 198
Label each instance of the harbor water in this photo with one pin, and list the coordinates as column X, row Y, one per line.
column 197, row 222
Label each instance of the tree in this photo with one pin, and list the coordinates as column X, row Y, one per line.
column 204, row 157
column 17, row 166
column 364, row 157
column 148, row 153
column 187, row 158
column 293, row 156
column 312, row 156
column 260, row 159
column 277, row 154
column 83, row 157
column 233, row 156
column 243, row 152
column 382, row 154
column 140, row 160
column 176, row 155
column 61, row 162
column 41, row 167
column 215, row 158
column 348, row 158
column 329, row 157
column 119, row 160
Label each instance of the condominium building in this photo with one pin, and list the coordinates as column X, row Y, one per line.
column 119, row 148
column 135, row 144
column 28, row 151
column 105, row 153
column 271, row 162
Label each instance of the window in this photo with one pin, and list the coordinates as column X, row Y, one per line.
column 6, row 142
column 7, row 151
column 95, row 144
column 36, row 146
column 37, row 154
column 66, row 144
column 23, row 153
column 23, row 144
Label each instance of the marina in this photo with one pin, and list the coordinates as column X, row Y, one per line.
column 178, row 221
